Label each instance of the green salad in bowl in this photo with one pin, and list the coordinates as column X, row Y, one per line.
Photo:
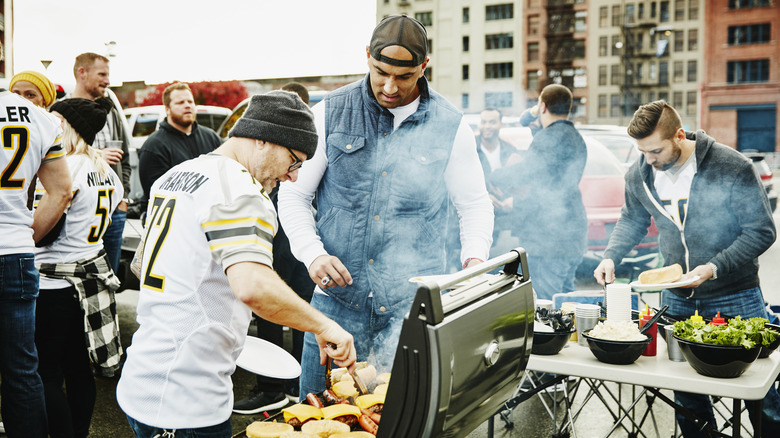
column 747, row 333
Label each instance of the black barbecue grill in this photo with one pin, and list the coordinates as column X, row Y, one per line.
column 461, row 354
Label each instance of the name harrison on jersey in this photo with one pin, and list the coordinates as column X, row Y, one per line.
column 184, row 182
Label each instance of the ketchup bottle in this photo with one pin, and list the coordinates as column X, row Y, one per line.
column 718, row 320
column 650, row 349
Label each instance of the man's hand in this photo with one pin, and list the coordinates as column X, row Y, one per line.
column 328, row 271
column 122, row 206
column 703, row 271
column 605, row 272
column 337, row 343
column 503, row 205
column 112, row 155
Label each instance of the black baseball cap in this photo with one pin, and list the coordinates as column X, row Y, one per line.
column 404, row 31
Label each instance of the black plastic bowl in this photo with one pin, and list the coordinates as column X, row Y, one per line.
column 547, row 343
column 766, row 351
column 616, row 352
column 724, row 361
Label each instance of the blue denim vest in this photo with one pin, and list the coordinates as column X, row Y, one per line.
column 382, row 203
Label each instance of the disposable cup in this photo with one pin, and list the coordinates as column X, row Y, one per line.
column 584, row 324
column 672, row 346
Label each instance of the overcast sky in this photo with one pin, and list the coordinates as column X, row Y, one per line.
column 164, row 40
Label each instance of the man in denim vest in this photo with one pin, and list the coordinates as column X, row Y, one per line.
column 391, row 153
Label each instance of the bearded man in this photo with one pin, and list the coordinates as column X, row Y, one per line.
column 178, row 139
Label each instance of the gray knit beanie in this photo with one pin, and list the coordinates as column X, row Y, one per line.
column 279, row 117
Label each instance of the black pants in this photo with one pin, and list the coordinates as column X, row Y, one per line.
column 64, row 359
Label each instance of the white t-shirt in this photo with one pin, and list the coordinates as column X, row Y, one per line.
column 30, row 137
column 674, row 187
column 493, row 157
column 95, row 198
column 204, row 215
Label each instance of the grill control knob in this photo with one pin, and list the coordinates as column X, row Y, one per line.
column 491, row 353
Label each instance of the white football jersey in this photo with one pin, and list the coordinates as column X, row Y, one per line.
column 95, row 197
column 30, row 136
column 204, row 215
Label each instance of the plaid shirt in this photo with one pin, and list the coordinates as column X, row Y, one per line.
column 95, row 282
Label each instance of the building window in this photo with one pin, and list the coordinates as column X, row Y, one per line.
column 663, row 12
column 693, row 39
column 663, row 73
column 602, row 105
column 603, row 44
column 616, row 17
column 749, row 34
column 663, row 95
column 533, row 80
column 603, row 16
column 615, row 77
column 692, row 67
column 504, row 11
column 580, row 21
column 738, row 72
column 465, row 72
column 640, row 11
column 640, row 42
column 426, row 18
column 533, row 25
column 615, row 41
column 498, row 99
column 679, row 41
column 498, row 70
column 466, row 43
column 466, row 16
column 677, row 100
column 652, row 9
column 464, row 100
column 499, row 41
column 428, row 72
column 739, row 4
column 630, row 14
column 602, row 75
column 533, row 52
column 691, row 108
column 679, row 10
column 614, row 106
column 430, row 46
column 678, row 71
column 693, row 10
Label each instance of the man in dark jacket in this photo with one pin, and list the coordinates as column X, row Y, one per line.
column 179, row 138
column 548, row 213
column 713, row 218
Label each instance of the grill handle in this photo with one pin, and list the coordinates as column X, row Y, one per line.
column 428, row 305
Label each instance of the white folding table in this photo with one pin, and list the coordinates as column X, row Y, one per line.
column 658, row 372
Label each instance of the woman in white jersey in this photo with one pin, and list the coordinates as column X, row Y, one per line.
column 75, row 276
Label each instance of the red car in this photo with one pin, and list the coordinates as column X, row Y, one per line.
column 602, row 187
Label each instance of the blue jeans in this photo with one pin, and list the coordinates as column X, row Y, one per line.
column 375, row 333
column 23, row 406
column 552, row 275
column 112, row 240
column 748, row 303
column 223, row 430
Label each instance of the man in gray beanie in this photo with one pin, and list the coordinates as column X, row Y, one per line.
column 207, row 266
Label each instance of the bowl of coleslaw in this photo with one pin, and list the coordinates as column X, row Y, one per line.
column 616, row 342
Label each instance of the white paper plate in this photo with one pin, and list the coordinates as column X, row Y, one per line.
column 639, row 287
column 262, row 357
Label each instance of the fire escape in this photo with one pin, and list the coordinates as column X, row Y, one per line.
column 565, row 55
column 645, row 60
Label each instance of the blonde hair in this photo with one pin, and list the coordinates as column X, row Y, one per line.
column 74, row 144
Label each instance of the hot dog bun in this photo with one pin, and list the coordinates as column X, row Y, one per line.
column 324, row 428
column 667, row 274
column 267, row 429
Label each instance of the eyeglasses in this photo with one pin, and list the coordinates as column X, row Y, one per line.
column 297, row 163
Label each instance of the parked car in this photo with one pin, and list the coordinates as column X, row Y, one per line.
column 766, row 174
column 615, row 138
column 602, row 187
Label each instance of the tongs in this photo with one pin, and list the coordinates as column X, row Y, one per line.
column 361, row 387
column 646, row 326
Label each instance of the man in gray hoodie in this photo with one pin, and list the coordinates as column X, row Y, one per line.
column 713, row 218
